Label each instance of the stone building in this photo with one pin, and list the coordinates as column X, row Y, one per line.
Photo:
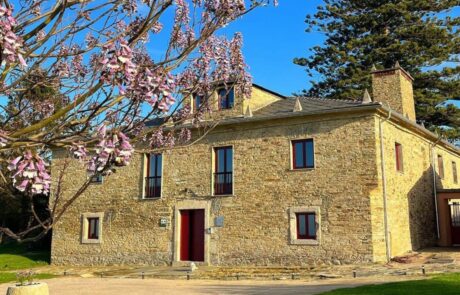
column 279, row 181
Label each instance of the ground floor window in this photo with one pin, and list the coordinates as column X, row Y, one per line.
column 305, row 225
column 92, row 228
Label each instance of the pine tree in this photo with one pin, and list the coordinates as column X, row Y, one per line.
column 423, row 35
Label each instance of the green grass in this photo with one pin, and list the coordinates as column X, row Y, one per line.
column 13, row 257
column 18, row 257
column 6, row 277
column 441, row 284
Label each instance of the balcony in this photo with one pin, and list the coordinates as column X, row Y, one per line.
column 223, row 183
column 152, row 187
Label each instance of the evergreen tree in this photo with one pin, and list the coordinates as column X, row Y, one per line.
column 423, row 35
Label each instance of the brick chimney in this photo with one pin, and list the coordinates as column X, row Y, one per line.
column 394, row 87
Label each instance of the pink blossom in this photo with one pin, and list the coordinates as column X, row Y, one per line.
column 29, row 173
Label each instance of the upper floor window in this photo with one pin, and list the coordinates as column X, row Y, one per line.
column 399, row 157
column 226, row 98
column 440, row 167
column 303, row 154
column 153, row 179
column 223, row 170
column 454, row 172
column 197, row 101
column 306, row 226
column 93, row 228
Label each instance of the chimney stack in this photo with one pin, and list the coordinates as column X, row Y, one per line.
column 394, row 87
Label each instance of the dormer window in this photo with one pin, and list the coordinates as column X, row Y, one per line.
column 226, row 98
column 197, row 101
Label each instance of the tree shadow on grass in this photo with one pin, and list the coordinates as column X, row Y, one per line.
column 16, row 256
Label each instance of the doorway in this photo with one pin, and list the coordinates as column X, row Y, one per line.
column 455, row 222
column 192, row 235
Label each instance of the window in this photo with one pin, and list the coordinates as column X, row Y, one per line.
column 303, row 154
column 440, row 167
column 197, row 101
column 93, row 228
column 454, row 172
column 306, row 226
column 153, row 179
column 226, row 98
column 223, row 170
column 399, row 157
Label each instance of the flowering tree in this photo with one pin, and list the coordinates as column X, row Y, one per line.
column 81, row 76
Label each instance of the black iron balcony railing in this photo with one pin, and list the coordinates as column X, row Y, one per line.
column 153, row 187
column 223, row 183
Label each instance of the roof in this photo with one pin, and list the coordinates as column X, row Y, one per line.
column 309, row 105
column 285, row 108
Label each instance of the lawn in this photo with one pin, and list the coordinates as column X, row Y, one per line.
column 16, row 257
column 442, row 284
column 6, row 277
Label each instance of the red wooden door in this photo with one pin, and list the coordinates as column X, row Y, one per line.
column 184, row 235
column 192, row 235
column 455, row 222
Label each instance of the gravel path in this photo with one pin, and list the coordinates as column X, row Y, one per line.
column 87, row 286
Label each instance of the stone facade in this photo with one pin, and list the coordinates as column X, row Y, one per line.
column 345, row 189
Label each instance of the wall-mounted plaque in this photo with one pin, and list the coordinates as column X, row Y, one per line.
column 219, row 221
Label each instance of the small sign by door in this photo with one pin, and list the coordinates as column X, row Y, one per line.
column 163, row 222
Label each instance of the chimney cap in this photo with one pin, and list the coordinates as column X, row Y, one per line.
column 397, row 67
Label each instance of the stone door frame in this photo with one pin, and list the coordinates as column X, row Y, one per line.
column 191, row 205
column 444, row 218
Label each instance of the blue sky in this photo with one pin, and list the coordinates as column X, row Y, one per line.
column 273, row 37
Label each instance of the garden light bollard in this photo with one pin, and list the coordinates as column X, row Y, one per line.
column 142, row 275
column 188, row 276
column 354, row 273
column 423, row 270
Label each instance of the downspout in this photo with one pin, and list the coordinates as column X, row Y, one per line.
column 384, row 187
column 435, row 194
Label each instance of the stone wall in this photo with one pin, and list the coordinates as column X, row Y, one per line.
column 345, row 188
column 256, row 217
column 410, row 194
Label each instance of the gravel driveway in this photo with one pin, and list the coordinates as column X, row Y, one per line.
column 87, row 286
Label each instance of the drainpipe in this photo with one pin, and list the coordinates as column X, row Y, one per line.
column 384, row 187
column 435, row 194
